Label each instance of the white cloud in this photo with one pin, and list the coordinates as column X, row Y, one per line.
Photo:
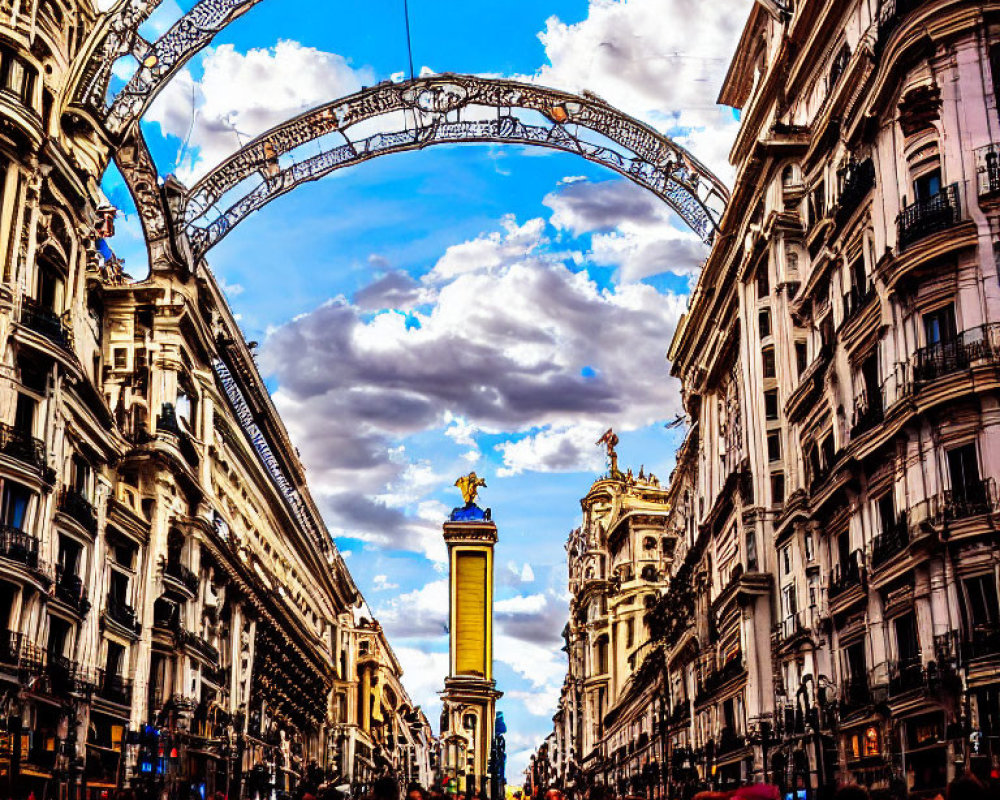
column 381, row 583
column 514, row 343
column 527, row 574
column 417, row 614
column 240, row 95
column 660, row 60
column 424, row 671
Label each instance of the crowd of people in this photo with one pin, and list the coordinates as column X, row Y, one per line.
column 966, row 787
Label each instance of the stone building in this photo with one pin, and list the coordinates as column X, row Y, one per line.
column 618, row 561
column 841, row 372
column 174, row 613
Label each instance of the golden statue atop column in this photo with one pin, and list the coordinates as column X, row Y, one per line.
column 470, row 695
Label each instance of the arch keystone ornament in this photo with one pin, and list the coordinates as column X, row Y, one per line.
column 469, row 714
column 446, row 109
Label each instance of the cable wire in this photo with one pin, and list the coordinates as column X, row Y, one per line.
column 409, row 43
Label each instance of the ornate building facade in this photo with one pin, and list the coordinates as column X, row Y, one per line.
column 841, row 370
column 175, row 616
column 618, row 561
column 832, row 611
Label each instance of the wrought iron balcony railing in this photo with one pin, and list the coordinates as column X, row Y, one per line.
column 889, row 15
column 75, row 505
column 114, row 688
column 121, row 612
column 988, row 169
column 70, row 589
column 906, row 676
column 895, row 538
column 858, row 180
column 856, row 300
column 855, row 694
column 183, row 574
column 45, row 322
column 869, row 411
column 983, row 643
column 10, row 647
column 19, row 546
column 845, row 576
column 977, row 345
column 924, row 217
column 18, row 444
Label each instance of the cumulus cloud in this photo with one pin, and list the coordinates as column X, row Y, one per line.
column 423, row 674
column 515, row 342
column 240, row 95
column 630, row 228
column 420, row 613
column 660, row 60
column 381, row 583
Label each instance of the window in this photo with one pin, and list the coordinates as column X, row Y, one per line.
column 16, row 76
column 768, row 365
column 15, row 504
column 771, row 404
column 115, row 659
column 629, row 633
column 854, row 661
column 886, row 512
column 774, row 446
column 763, row 283
column 121, row 358
column 801, row 357
column 809, row 546
column 69, row 556
column 939, row 325
column 789, row 604
column 907, row 644
column 81, row 476
column 118, row 587
column 963, row 469
column 984, row 610
column 58, row 636
column 777, row 488
column 764, row 323
column 751, row 543
column 927, row 186
column 24, row 414
column 786, row 560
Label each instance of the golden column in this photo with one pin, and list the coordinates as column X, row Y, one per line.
column 470, row 693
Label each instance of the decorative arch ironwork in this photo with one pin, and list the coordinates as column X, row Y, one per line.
column 430, row 111
column 117, row 36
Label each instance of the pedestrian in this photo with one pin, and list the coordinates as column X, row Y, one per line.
column 415, row 792
column 968, row 787
column 554, row 794
column 385, row 788
column 851, row 791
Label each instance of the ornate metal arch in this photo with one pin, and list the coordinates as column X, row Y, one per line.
column 117, row 36
column 450, row 109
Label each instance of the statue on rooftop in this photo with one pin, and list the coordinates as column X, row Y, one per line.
column 610, row 440
column 469, row 486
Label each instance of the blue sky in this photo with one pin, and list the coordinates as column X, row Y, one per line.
column 463, row 307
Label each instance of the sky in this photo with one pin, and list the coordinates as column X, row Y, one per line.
column 465, row 307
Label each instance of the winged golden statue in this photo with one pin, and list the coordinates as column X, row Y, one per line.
column 469, row 486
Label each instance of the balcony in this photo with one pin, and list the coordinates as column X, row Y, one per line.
column 45, row 322
column 61, row 672
column 970, row 347
column 855, row 695
column 845, row 576
column 869, row 411
column 114, row 689
column 166, row 422
column 71, row 591
column 983, row 643
column 858, row 181
column 21, row 446
column 856, row 301
column 890, row 14
column 10, row 648
column 197, row 644
column 988, row 170
column 19, row 546
column 122, row 613
column 680, row 715
column 183, row 575
column 894, row 539
column 729, row 741
column 75, row 505
column 715, row 680
column 906, row 676
column 791, row 627
column 924, row 217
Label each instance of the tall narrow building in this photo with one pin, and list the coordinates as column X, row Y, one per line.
column 470, row 695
